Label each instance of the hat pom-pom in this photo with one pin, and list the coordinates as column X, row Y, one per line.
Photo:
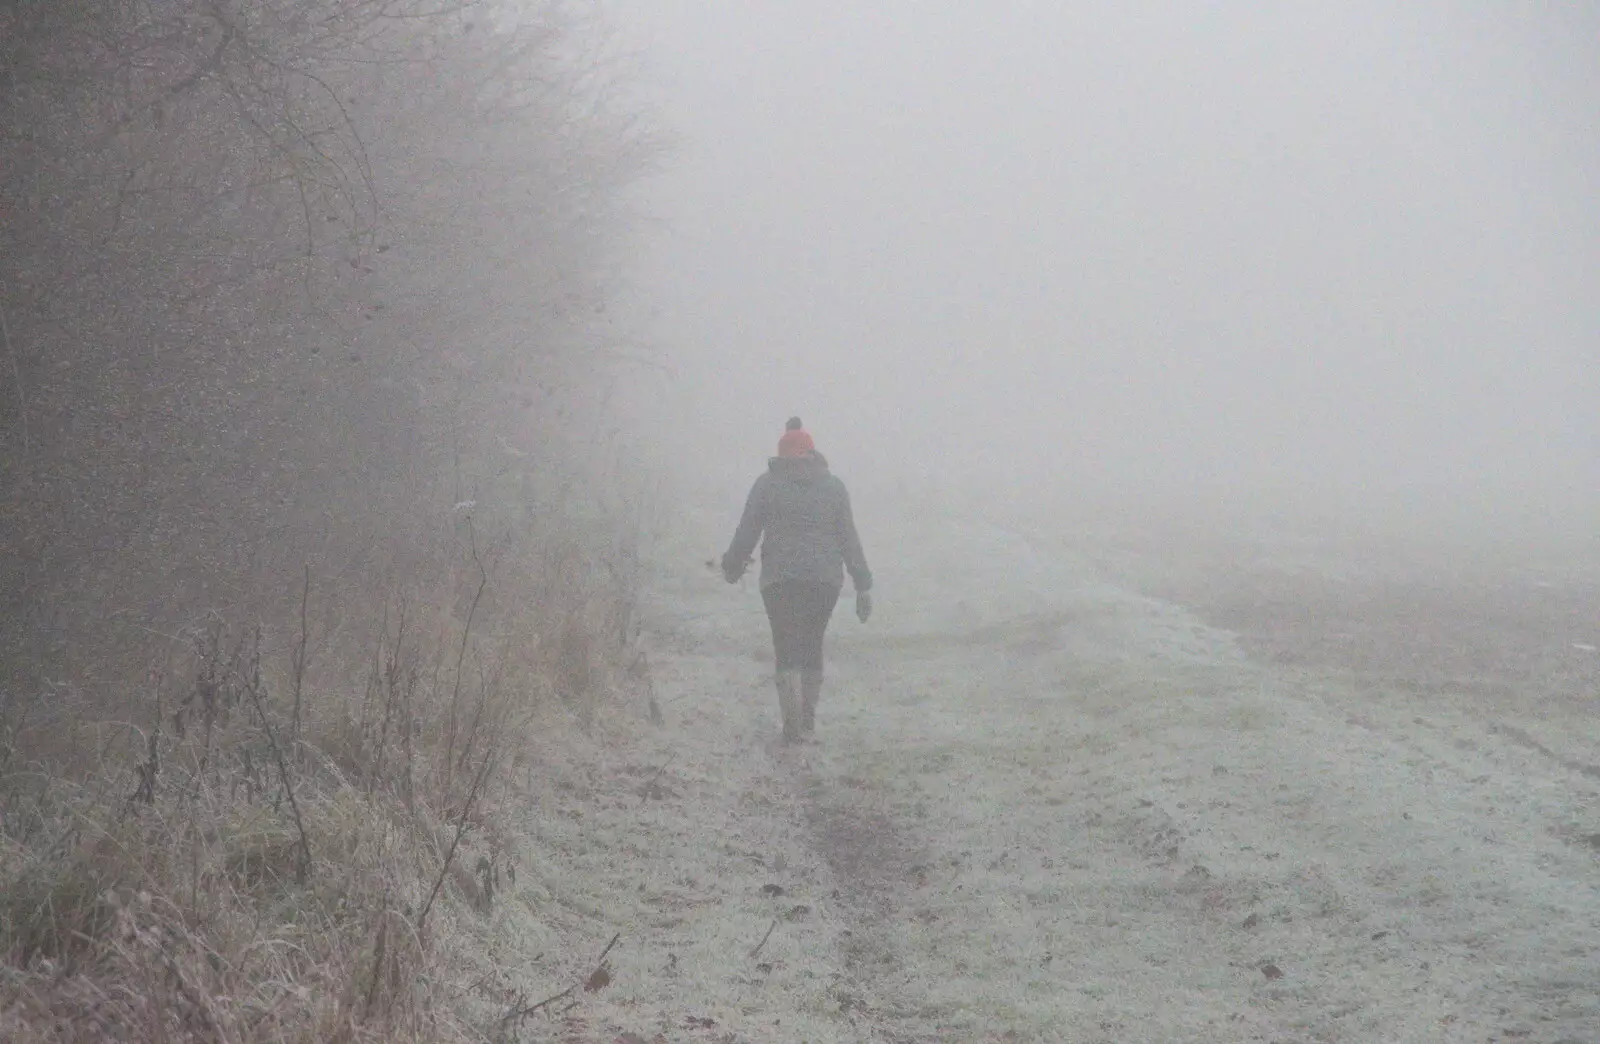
column 793, row 425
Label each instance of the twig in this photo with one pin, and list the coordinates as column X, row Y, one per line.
column 517, row 1012
column 379, row 947
column 16, row 377
column 466, row 633
column 198, row 73
column 149, row 769
column 600, row 978
column 644, row 795
column 484, row 692
column 764, row 939
column 455, row 842
column 300, row 659
column 303, row 870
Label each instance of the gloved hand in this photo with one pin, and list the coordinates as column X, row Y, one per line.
column 863, row 605
column 733, row 571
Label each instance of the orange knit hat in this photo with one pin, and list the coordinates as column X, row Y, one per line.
column 796, row 441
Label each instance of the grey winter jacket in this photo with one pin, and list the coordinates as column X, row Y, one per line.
column 803, row 512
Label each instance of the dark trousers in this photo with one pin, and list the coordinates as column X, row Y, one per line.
column 799, row 611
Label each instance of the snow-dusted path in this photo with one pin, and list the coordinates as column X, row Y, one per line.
column 1045, row 809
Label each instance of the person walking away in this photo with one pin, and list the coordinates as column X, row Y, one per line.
column 800, row 513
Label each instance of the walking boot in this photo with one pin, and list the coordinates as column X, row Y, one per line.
column 810, row 692
column 789, row 705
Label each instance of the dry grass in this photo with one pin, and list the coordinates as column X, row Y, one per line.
column 252, row 856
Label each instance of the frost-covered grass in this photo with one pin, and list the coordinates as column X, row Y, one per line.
column 1044, row 808
column 1050, row 807
column 249, row 849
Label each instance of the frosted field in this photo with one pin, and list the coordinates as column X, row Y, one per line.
column 1044, row 808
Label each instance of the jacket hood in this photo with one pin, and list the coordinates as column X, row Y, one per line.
column 799, row 469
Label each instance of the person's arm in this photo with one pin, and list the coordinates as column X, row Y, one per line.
column 751, row 523
column 855, row 559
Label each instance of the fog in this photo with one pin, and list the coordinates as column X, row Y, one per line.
column 377, row 379
column 1339, row 258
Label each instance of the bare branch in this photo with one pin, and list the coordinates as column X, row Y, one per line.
column 473, row 794
column 760, row 945
column 466, row 634
column 252, row 687
column 198, row 73
column 16, row 380
column 300, row 659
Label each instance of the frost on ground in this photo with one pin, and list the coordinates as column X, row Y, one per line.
column 1045, row 808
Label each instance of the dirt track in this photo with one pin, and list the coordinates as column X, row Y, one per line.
column 1047, row 809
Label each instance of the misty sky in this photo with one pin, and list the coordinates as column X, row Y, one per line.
column 1336, row 248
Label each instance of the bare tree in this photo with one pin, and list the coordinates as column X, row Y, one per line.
column 275, row 276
